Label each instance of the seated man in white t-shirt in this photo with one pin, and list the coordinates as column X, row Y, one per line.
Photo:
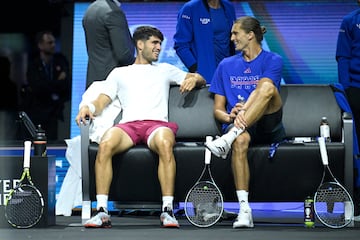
column 143, row 91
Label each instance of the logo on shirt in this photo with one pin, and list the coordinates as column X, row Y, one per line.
column 244, row 82
column 241, row 99
column 185, row 16
column 248, row 70
column 204, row 20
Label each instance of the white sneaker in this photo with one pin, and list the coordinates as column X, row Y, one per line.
column 244, row 219
column 101, row 219
column 168, row 220
column 219, row 147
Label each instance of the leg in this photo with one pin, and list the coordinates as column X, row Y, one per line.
column 353, row 96
column 114, row 140
column 241, row 173
column 162, row 142
column 265, row 99
column 239, row 162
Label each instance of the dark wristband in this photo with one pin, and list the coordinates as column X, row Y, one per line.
column 193, row 68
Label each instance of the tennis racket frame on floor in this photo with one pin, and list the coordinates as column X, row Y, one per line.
column 333, row 204
column 204, row 203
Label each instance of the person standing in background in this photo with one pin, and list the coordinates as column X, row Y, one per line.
column 202, row 37
column 49, row 85
column 108, row 39
column 348, row 61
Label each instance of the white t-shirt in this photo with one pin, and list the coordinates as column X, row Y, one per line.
column 143, row 90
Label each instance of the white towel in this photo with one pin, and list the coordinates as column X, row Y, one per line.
column 70, row 194
column 106, row 119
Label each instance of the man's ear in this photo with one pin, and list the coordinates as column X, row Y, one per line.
column 140, row 45
column 251, row 35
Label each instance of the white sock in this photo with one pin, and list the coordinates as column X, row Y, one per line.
column 102, row 201
column 243, row 197
column 167, row 202
column 233, row 133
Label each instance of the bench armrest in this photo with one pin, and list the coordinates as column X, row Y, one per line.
column 348, row 134
column 85, row 140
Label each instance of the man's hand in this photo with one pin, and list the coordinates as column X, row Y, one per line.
column 84, row 112
column 191, row 81
column 90, row 110
column 240, row 121
column 188, row 84
column 235, row 110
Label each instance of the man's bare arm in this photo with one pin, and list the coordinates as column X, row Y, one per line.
column 191, row 81
column 93, row 108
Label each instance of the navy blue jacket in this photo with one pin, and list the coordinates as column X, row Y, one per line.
column 344, row 105
column 193, row 40
column 348, row 50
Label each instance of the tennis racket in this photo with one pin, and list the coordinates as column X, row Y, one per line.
column 333, row 204
column 24, row 205
column 204, row 202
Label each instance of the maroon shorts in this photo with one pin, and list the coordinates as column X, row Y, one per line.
column 139, row 131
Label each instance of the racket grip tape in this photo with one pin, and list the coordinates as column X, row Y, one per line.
column 323, row 152
column 27, row 150
column 207, row 151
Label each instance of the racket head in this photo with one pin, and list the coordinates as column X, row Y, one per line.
column 24, row 206
column 204, row 204
column 333, row 205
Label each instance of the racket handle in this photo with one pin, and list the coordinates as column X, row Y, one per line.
column 323, row 152
column 207, row 151
column 27, row 150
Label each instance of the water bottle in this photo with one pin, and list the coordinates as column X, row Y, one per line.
column 325, row 129
column 309, row 217
column 39, row 142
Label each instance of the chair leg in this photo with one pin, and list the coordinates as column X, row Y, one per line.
column 85, row 211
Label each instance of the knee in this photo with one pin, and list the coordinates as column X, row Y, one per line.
column 241, row 143
column 105, row 149
column 267, row 89
column 165, row 150
column 165, row 144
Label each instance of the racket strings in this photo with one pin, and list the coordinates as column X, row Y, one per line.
column 204, row 204
column 24, row 207
column 331, row 202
